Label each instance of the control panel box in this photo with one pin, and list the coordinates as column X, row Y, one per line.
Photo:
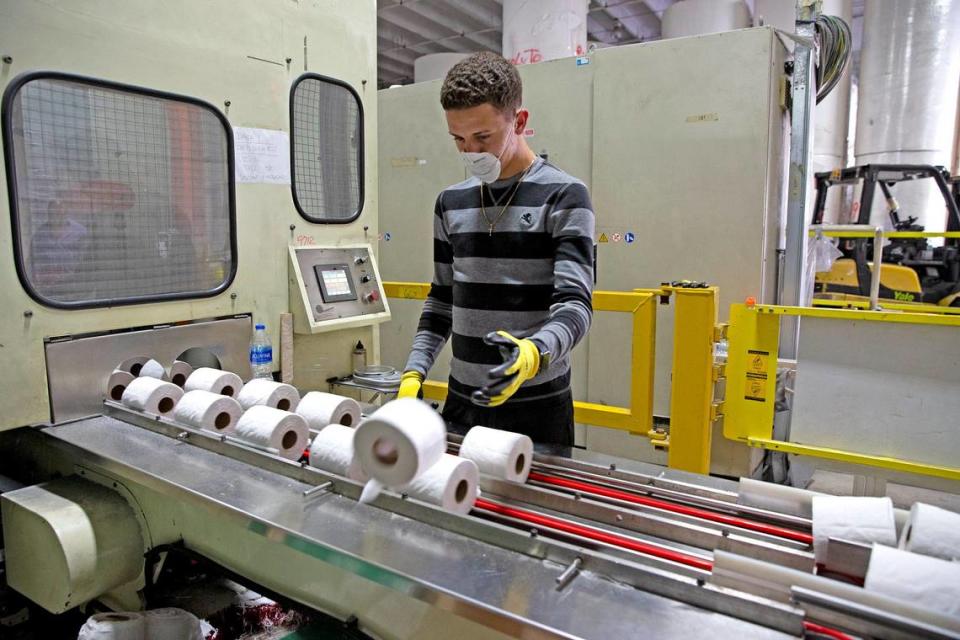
column 335, row 287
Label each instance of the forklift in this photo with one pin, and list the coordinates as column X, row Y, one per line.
column 912, row 271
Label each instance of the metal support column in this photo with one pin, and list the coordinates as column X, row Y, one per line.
column 692, row 409
column 803, row 93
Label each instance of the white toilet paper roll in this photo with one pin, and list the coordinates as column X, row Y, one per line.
column 320, row 409
column 117, row 383
column 133, row 365
column 400, row 441
column 179, row 372
column 268, row 427
column 852, row 518
column 269, row 393
column 153, row 369
column 776, row 497
column 171, row 624
column 208, row 410
column 929, row 583
column 151, row 395
column 113, row 626
column 932, row 531
column 332, row 450
column 502, row 454
column 225, row 383
column 451, row 484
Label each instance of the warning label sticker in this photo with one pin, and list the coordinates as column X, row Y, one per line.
column 758, row 363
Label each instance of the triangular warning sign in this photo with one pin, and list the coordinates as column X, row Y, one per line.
column 603, row 238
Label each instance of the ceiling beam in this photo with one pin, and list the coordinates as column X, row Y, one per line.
column 474, row 33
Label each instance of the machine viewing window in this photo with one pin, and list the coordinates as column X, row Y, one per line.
column 326, row 149
column 118, row 194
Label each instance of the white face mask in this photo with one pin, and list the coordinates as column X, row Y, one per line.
column 483, row 165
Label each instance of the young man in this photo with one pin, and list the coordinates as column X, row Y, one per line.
column 513, row 267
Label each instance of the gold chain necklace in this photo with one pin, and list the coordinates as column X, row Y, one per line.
column 493, row 224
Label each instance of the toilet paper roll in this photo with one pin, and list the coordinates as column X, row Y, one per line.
column 929, row 583
column 208, row 410
column 932, row 531
column 851, row 518
column 151, row 395
column 171, row 624
column 269, row 393
column 502, row 454
column 320, row 409
column 133, row 365
column 117, row 383
column 113, row 626
column 153, row 369
column 179, row 372
column 332, row 450
column 400, row 441
column 451, row 484
column 268, row 427
column 225, row 383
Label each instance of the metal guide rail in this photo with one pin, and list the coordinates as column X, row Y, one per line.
column 581, row 526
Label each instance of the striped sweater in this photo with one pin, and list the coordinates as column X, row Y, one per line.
column 532, row 277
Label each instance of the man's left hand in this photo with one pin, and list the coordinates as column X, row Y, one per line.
column 521, row 362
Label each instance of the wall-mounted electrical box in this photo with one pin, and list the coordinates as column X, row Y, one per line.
column 335, row 287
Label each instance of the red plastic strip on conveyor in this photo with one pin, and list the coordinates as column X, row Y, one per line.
column 594, row 534
column 586, row 487
column 813, row 627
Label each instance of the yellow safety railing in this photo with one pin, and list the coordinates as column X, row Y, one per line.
column 754, row 337
column 641, row 304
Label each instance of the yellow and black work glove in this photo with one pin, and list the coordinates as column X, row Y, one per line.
column 411, row 385
column 521, row 362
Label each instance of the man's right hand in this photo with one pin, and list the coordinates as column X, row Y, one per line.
column 410, row 385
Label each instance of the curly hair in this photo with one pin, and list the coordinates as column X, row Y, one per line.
column 482, row 78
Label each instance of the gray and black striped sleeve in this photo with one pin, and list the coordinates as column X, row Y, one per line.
column 436, row 320
column 571, row 223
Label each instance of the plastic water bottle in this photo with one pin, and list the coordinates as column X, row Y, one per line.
column 261, row 354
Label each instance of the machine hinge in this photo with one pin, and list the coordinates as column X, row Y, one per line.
column 716, row 411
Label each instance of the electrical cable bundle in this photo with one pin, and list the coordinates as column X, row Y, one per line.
column 836, row 42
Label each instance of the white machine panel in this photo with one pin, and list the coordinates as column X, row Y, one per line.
column 898, row 399
column 335, row 288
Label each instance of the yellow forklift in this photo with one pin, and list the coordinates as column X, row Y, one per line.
column 912, row 271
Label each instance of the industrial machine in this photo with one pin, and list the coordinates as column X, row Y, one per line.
column 912, row 270
column 158, row 209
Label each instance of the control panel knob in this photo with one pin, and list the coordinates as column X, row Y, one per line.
column 373, row 296
column 364, row 279
column 359, row 260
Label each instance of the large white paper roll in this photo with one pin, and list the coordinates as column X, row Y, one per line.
column 451, row 484
column 113, row 626
column 151, row 395
column 332, row 450
column 932, row 531
column 852, row 518
column 320, row 409
column 226, row 383
column 269, row 393
column 400, row 441
column 171, row 623
column 117, row 383
column 153, row 369
column 268, row 427
column 776, row 497
column 208, row 410
column 179, row 372
column 930, row 583
column 502, row 454
column 133, row 365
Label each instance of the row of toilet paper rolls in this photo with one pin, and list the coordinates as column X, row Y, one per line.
column 155, row 624
column 402, row 445
column 920, row 567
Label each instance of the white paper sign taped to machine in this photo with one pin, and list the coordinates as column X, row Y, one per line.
column 262, row 155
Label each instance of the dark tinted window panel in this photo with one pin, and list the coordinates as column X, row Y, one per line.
column 326, row 134
column 119, row 195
